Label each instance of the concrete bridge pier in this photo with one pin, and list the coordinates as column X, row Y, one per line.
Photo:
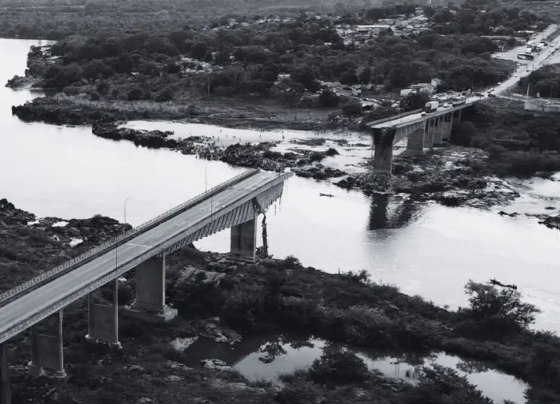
column 47, row 351
column 5, row 390
column 457, row 117
column 415, row 143
column 438, row 133
column 429, row 133
column 383, row 151
column 103, row 320
column 150, row 292
column 447, row 124
column 243, row 241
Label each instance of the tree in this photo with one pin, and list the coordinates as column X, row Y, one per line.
column 349, row 78
column 97, row 69
column 305, row 76
column 103, row 88
column 198, row 50
column 164, row 95
column 414, row 101
column 365, row 75
column 352, row 109
column 328, row 99
column 134, row 94
column 505, row 305
column 125, row 63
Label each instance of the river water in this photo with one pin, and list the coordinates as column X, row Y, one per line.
column 428, row 250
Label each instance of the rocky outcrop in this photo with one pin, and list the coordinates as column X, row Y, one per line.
column 154, row 139
column 552, row 222
column 445, row 177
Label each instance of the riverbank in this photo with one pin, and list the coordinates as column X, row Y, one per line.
column 220, row 300
column 448, row 175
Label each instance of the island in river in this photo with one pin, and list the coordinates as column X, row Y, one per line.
column 227, row 302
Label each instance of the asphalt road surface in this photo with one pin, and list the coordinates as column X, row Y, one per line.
column 41, row 298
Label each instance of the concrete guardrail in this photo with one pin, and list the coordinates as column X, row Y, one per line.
column 89, row 255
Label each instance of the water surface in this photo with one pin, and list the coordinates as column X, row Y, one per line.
column 428, row 250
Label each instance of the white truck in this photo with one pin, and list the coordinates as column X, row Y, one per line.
column 431, row 106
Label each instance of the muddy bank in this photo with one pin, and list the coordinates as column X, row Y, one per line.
column 226, row 301
column 61, row 110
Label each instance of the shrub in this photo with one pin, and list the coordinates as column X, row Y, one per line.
column 353, row 109
column 103, row 88
column 504, row 306
column 164, row 95
column 328, row 99
column 134, row 94
column 94, row 96
column 338, row 366
column 71, row 91
column 316, row 156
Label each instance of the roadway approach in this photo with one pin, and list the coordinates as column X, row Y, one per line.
column 234, row 204
column 428, row 130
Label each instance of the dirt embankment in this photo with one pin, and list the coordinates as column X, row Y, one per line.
column 61, row 110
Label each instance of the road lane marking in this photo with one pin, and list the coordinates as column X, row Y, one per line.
column 139, row 245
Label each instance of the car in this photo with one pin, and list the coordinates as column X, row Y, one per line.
column 491, row 95
column 446, row 105
column 514, row 74
column 490, row 90
column 423, row 114
column 499, row 82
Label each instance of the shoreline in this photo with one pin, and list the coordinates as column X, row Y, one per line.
column 270, row 296
column 447, row 175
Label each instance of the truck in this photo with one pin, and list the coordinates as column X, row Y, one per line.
column 431, row 106
column 525, row 56
column 458, row 100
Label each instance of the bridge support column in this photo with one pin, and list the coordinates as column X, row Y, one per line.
column 415, row 143
column 438, row 133
column 47, row 351
column 429, row 133
column 447, row 125
column 150, row 292
column 243, row 241
column 5, row 390
column 103, row 320
column 457, row 117
column 383, row 151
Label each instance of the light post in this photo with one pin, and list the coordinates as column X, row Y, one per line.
column 125, row 201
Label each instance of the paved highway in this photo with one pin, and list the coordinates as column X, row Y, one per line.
column 522, row 71
column 43, row 297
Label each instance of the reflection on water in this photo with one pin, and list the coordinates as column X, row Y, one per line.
column 391, row 212
column 268, row 357
column 425, row 249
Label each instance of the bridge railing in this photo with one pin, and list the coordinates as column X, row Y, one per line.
column 51, row 274
column 394, row 117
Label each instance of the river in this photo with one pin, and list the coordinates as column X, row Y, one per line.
column 429, row 250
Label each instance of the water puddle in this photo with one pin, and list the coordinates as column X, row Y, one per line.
column 267, row 358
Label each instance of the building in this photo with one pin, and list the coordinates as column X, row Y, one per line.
column 423, row 87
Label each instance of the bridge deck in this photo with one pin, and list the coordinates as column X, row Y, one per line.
column 25, row 308
column 412, row 119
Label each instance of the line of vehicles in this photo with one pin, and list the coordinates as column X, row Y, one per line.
column 445, row 101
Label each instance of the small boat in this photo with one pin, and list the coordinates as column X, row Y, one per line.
column 327, row 195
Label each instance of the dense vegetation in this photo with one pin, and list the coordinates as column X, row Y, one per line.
column 274, row 296
column 519, row 143
column 544, row 82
